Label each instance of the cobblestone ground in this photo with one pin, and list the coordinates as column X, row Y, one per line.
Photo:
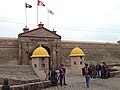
column 78, row 83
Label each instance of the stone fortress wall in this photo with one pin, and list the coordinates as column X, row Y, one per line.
column 94, row 51
column 8, row 51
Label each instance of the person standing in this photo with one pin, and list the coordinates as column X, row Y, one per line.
column 5, row 86
column 62, row 72
column 86, row 73
column 92, row 70
column 98, row 69
column 53, row 78
column 105, row 70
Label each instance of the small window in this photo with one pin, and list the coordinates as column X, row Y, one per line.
column 80, row 62
column 35, row 65
column 74, row 63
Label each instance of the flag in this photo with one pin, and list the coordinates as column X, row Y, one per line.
column 51, row 12
column 40, row 3
column 28, row 5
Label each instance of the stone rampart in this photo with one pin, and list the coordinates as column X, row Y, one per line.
column 9, row 51
column 95, row 52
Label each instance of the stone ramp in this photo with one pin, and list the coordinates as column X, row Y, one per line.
column 18, row 73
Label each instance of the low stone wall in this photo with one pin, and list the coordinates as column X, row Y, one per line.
column 114, row 73
column 31, row 86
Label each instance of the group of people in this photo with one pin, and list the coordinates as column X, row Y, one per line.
column 89, row 71
column 54, row 77
column 99, row 71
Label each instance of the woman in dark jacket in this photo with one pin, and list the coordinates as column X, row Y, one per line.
column 54, row 80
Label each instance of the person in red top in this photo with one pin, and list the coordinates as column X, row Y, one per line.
column 86, row 73
column 62, row 72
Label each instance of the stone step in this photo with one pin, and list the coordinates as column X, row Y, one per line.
column 18, row 68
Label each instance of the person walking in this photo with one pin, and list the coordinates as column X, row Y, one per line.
column 86, row 73
column 62, row 74
column 98, row 70
column 5, row 85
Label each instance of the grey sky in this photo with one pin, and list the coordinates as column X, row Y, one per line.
column 83, row 20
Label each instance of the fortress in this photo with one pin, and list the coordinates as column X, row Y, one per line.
column 15, row 53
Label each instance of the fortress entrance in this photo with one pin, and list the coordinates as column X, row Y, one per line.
column 29, row 40
column 48, row 50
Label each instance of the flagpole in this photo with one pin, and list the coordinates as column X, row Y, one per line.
column 26, row 14
column 48, row 18
column 37, row 12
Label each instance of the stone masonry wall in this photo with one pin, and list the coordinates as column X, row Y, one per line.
column 108, row 52
column 8, row 51
column 30, row 86
column 95, row 52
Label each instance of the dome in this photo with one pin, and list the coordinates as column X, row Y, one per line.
column 40, row 52
column 76, row 52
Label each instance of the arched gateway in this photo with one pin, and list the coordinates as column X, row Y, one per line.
column 29, row 40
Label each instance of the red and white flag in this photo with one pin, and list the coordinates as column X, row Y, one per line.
column 40, row 3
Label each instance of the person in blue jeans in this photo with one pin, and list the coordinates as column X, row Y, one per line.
column 98, row 70
column 86, row 73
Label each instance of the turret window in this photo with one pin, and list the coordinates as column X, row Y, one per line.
column 74, row 63
column 81, row 63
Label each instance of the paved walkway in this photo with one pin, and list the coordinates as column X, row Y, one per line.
column 78, row 83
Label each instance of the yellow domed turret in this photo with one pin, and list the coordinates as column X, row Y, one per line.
column 40, row 52
column 76, row 52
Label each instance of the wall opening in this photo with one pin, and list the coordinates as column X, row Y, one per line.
column 48, row 50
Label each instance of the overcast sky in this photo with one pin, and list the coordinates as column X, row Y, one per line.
column 83, row 20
